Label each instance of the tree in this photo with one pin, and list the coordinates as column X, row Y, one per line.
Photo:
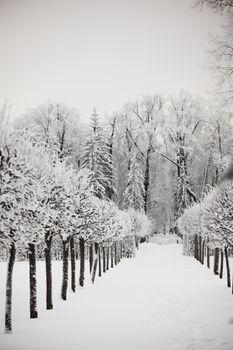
column 220, row 62
column 96, row 158
column 141, row 225
column 134, row 192
column 14, row 187
column 112, row 126
column 32, row 214
column 146, row 117
column 217, row 225
column 190, row 228
column 56, row 126
column 10, row 195
column 181, row 138
column 217, row 215
column 106, row 228
column 85, row 215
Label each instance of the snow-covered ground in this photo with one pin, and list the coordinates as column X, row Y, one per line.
column 159, row 300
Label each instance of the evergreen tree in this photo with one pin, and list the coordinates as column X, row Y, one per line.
column 134, row 192
column 184, row 195
column 97, row 159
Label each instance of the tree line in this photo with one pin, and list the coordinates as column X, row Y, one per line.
column 164, row 149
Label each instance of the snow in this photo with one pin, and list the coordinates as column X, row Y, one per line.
column 165, row 239
column 160, row 300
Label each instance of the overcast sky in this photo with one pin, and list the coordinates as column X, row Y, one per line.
column 101, row 53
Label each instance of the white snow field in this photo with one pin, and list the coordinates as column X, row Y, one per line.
column 161, row 300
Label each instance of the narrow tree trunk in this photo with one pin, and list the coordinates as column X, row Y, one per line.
column 76, row 249
column 99, row 258
column 115, row 254
column 228, row 268
column 107, row 258
column 73, row 264
column 32, row 280
column 48, row 267
column 104, row 259
column 91, row 256
column 8, row 305
column 216, row 261
column 112, row 256
column 82, row 261
column 203, row 252
column 200, row 249
column 121, row 250
column 147, row 178
column 65, row 255
column 208, row 256
column 96, row 250
column 221, row 264
column 196, row 247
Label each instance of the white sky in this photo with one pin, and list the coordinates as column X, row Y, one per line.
column 101, row 53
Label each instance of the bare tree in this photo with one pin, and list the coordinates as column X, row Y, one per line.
column 146, row 114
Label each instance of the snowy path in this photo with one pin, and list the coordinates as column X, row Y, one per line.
column 159, row 301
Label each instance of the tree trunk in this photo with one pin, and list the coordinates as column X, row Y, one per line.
column 107, row 258
column 121, row 250
column 96, row 250
column 196, row 247
column 221, row 264
column 147, row 178
column 200, row 249
column 91, row 256
column 115, row 253
column 104, row 259
column 65, row 255
column 203, row 252
column 112, row 256
column 216, row 261
column 48, row 267
column 8, row 305
column 82, row 261
column 228, row 268
column 73, row 264
column 208, row 256
column 32, row 280
column 110, row 189
column 99, row 258
column 76, row 249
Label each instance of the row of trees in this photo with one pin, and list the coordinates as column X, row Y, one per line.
column 43, row 195
column 158, row 149
column 207, row 227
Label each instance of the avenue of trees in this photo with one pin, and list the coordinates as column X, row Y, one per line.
column 71, row 189
column 47, row 197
